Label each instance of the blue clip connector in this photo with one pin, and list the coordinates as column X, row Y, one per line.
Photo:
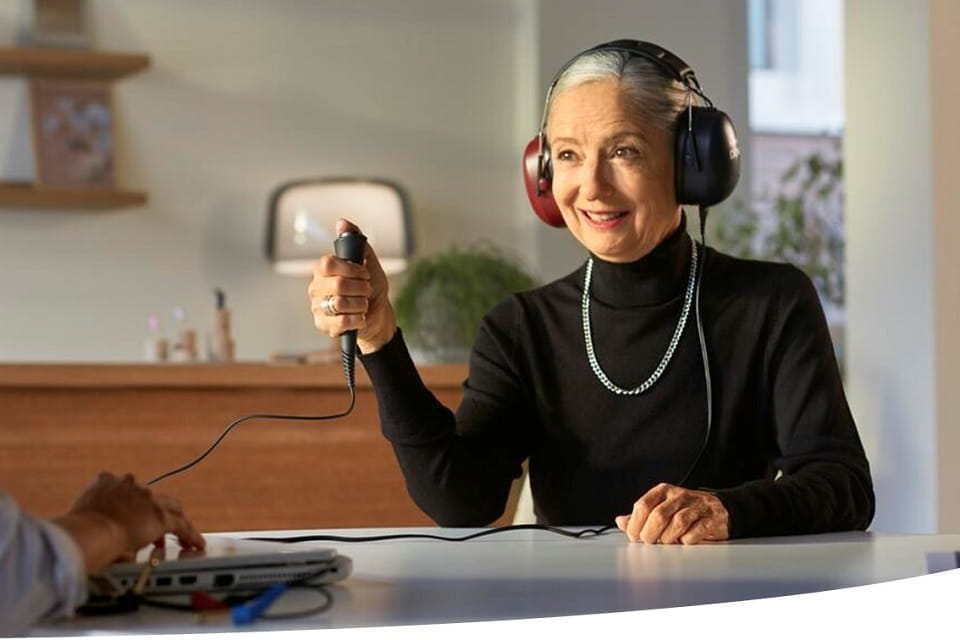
column 248, row 612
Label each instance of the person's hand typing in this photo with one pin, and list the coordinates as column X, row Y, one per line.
column 668, row 514
column 114, row 517
column 346, row 296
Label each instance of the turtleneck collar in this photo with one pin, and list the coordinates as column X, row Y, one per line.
column 657, row 277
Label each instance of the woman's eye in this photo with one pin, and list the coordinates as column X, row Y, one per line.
column 626, row 152
column 565, row 155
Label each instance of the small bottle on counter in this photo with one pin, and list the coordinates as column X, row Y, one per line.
column 184, row 348
column 220, row 347
column 155, row 346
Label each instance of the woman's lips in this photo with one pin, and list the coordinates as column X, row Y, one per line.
column 603, row 219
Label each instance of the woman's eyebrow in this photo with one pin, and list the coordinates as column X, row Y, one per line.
column 620, row 135
column 628, row 134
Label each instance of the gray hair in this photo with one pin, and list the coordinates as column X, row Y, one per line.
column 656, row 95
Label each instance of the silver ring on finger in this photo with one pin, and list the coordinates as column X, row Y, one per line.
column 328, row 306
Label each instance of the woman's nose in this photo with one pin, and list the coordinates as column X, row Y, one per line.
column 595, row 180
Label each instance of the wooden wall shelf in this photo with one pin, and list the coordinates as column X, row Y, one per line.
column 27, row 195
column 69, row 63
column 46, row 65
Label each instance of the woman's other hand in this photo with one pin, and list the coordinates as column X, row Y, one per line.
column 668, row 514
column 345, row 296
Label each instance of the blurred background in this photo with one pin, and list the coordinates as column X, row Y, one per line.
column 844, row 110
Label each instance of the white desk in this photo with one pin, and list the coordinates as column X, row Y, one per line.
column 529, row 574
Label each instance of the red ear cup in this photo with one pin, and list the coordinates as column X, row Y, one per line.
column 538, row 186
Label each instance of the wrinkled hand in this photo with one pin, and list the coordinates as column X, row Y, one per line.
column 668, row 514
column 358, row 294
column 114, row 517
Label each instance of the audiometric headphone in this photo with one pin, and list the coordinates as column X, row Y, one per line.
column 706, row 155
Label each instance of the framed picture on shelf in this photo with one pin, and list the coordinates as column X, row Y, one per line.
column 72, row 134
column 58, row 23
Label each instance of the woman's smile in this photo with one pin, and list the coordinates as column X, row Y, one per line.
column 603, row 219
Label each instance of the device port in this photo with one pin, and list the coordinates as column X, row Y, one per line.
column 163, row 581
column 222, row 580
column 188, row 579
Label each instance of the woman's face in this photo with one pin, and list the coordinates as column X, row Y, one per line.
column 612, row 172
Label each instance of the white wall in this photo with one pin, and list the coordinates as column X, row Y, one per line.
column 240, row 97
column 945, row 104
column 710, row 36
column 440, row 95
column 903, row 354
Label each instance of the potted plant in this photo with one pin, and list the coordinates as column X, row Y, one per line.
column 802, row 223
column 443, row 297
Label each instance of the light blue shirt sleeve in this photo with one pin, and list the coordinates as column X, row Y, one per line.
column 41, row 570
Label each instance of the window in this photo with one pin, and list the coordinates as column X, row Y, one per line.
column 772, row 31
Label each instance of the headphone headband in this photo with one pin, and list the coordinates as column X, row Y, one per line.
column 667, row 61
column 671, row 63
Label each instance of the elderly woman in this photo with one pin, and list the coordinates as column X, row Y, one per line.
column 600, row 378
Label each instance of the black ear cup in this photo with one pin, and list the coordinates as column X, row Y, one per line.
column 707, row 159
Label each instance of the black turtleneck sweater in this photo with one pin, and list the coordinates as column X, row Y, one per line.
column 778, row 403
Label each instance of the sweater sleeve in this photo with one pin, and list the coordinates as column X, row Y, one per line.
column 458, row 467
column 824, row 482
column 41, row 570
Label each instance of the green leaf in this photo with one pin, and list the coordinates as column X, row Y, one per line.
column 799, row 222
column 444, row 296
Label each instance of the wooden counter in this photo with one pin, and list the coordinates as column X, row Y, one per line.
column 60, row 424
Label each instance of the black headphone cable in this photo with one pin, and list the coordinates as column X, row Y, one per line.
column 588, row 532
column 707, row 381
column 260, row 416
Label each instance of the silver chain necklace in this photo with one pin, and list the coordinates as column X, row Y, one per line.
column 588, row 335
